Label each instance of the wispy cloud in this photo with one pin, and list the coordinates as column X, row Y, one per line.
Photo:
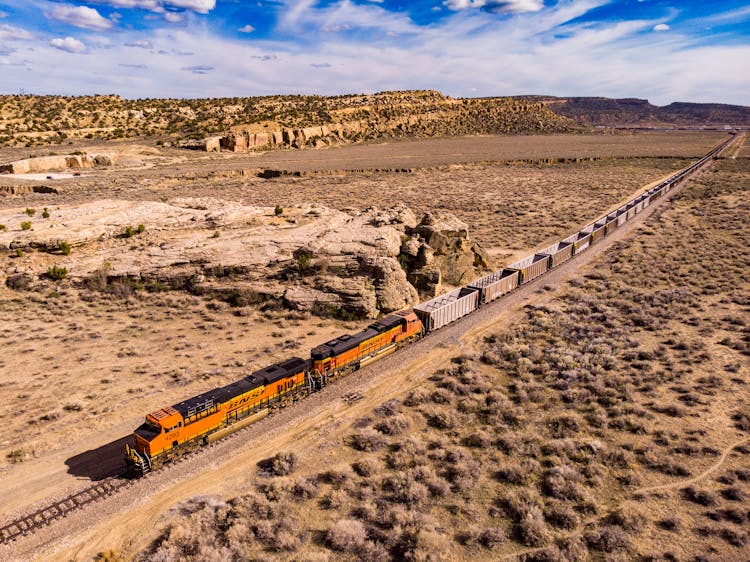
column 496, row 6
column 661, row 27
column 199, row 6
column 199, row 69
column 80, row 16
column 246, row 29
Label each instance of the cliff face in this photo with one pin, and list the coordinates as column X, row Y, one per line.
column 394, row 116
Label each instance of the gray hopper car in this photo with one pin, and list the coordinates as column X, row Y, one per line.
column 531, row 267
column 622, row 215
column 495, row 284
column 558, row 253
column 447, row 308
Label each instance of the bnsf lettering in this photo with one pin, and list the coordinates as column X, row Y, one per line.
column 244, row 400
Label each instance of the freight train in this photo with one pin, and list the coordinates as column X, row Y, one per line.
column 174, row 430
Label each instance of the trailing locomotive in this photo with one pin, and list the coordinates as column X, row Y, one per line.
column 171, row 431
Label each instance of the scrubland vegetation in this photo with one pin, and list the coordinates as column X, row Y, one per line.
column 610, row 424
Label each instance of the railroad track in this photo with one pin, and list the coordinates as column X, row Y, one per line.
column 28, row 524
column 41, row 518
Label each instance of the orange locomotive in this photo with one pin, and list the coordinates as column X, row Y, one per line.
column 171, row 431
column 349, row 352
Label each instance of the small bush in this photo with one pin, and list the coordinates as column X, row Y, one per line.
column 281, row 464
column 3, row 227
column 367, row 440
column 141, row 228
column 30, row 211
column 128, row 232
column 57, row 273
column 19, row 253
column 346, row 535
column 64, row 247
column 26, row 225
column 45, row 213
column 278, row 210
column 701, row 497
column 608, row 539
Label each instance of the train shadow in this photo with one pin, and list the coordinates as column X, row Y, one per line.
column 100, row 463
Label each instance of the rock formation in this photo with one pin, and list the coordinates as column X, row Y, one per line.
column 348, row 264
column 56, row 163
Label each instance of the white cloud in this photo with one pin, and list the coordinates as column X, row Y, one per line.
column 69, row 45
column 200, row 6
column 80, row 16
column 661, row 27
column 140, row 43
column 496, row 6
column 174, row 17
column 11, row 33
column 246, row 29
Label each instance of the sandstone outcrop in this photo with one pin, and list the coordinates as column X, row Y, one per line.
column 57, row 163
column 350, row 264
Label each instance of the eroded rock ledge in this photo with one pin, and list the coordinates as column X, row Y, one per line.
column 346, row 263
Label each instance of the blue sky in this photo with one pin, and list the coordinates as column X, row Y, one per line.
column 657, row 49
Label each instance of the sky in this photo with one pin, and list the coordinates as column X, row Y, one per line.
column 661, row 50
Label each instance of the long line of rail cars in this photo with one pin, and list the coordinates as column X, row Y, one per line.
column 173, row 430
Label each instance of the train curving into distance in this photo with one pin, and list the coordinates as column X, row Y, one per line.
column 174, row 430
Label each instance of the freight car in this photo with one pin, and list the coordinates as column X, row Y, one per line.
column 173, row 430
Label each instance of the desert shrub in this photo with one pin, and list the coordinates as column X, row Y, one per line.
column 281, row 464
column 561, row 516
column 733, row 536
column 367, row 440
column 305, row 488
column 278, row 210
column 701, row 497
column 45, row 213
column 366, row 467
column 18, row 282
column 563, row 482
column 335, row 499
column 337, row 478
column 608, row 539
column 56, row 273
column 491, row 537
column 3, row 227
column 742, row 420
column 346, row 535
column 669, row 524
column 531, row 528
column 141, row 228
column 628, row 519
column 30, row 211
column 64, row 247
column 733, row 493
column 129, row 232
column 416, row 397
column 517, row 473
column 393, row 425
column 26, row 225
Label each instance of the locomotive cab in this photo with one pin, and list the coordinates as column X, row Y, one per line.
column 158, row 433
